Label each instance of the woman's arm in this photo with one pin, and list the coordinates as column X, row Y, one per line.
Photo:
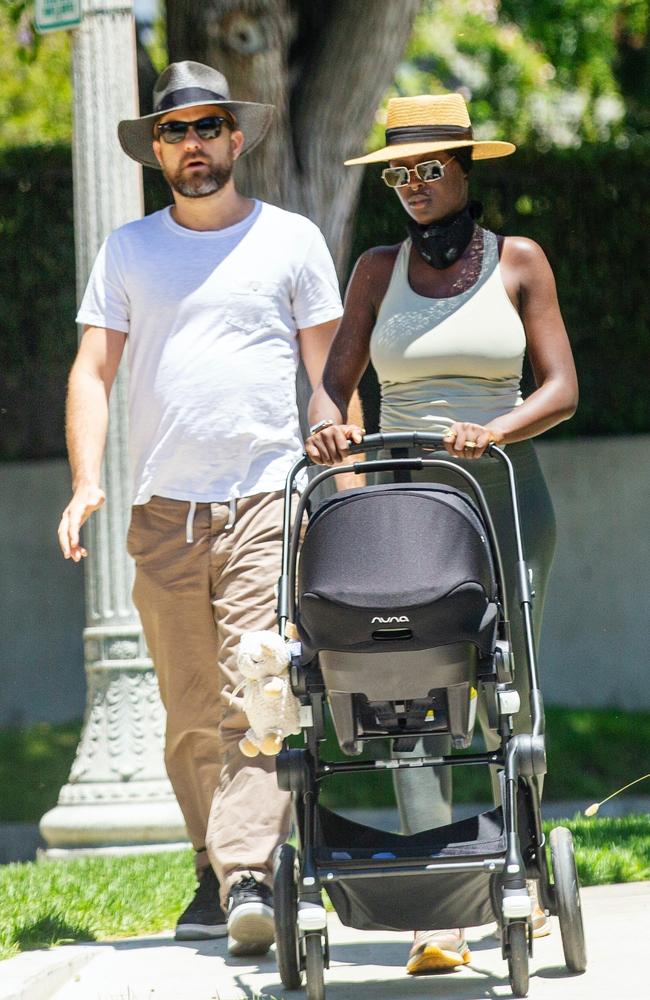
column 527, row 273
column 314, row 345
column 348, row 358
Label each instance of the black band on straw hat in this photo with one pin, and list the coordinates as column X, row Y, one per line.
column 426, row 133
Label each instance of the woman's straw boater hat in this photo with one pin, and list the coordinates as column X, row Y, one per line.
column 188, row 85
column 428, row 124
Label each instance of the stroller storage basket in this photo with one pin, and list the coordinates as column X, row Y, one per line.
column 367, row 901
column 407, row 566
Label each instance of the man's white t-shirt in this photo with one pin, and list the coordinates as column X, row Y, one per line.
column 212, row 320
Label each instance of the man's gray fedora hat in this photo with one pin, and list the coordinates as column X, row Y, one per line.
column 188, row 85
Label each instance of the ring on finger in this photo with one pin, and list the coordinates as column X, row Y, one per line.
column 470, row 444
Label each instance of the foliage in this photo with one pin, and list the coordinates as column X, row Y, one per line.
column 37, row 299
column 553, row 72
column 98, row 898
column 593, row 46
column 34, row 763
column 37, row 295
column 36, row 91
column 36, row 72
column 543, row 73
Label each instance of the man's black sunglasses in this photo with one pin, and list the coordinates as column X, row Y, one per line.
column 206, row 128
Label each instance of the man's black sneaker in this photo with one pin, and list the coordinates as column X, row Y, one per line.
column 250, row 917
column 203, row 918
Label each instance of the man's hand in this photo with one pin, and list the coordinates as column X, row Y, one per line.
column 330, row 445
column 85, row 500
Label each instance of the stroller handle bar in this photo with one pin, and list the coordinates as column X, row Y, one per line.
column 393, row 439
column 421, row 442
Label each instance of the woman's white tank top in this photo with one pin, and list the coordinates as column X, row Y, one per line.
column 459, row 358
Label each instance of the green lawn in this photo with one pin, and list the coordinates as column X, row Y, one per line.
column 590, row 754
column 48, row 903
column 98, row 898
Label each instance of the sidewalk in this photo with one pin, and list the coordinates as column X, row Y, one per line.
column 364, row 966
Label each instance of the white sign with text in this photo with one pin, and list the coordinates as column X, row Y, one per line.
column 56, row 15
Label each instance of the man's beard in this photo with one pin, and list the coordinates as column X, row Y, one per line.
column 200, row 185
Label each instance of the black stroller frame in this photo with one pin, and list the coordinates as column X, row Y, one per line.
column 515, row 847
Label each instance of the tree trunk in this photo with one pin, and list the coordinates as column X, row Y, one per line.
column 325, row 65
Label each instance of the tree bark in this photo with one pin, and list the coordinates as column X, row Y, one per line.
column 325, row 65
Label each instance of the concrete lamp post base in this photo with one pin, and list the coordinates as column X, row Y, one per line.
column 117, row 796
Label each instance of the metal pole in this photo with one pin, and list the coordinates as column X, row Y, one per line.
column 118, row 794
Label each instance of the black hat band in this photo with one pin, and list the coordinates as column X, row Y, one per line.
column 426, row 133
column 187, row 95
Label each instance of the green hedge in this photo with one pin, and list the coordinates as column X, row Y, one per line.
column 589, row 209
column 38, row 336
column 37, row 332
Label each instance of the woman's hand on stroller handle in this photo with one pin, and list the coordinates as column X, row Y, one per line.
column 332, row 443
column 470, row 441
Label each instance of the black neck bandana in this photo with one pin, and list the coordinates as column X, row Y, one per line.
column 442, row 243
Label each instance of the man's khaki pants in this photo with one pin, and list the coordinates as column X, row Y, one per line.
column 195, row 599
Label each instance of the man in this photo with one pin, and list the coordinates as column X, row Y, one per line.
column 217, row 296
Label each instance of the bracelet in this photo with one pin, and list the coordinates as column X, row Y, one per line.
column 315, row 428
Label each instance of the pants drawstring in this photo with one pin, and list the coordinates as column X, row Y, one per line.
column 232, row 514
column 189, row 524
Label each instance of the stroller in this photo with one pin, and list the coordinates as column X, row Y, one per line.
column 399, row 603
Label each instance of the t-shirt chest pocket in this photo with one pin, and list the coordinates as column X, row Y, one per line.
column 252, row 306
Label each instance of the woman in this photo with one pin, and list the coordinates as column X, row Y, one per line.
column 446, row 317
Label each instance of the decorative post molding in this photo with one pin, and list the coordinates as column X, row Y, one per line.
column 118, row 795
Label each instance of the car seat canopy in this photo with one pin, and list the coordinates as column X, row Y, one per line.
column 409, row 562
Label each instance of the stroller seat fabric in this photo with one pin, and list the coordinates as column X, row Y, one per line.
column 408, row 565
column 397, row 595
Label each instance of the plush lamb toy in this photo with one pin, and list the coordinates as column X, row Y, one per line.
column 272, row 709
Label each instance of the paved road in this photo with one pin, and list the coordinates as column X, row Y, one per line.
column 370, row 966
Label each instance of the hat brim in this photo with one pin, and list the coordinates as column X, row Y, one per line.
column 136, row 135
column 481, row 150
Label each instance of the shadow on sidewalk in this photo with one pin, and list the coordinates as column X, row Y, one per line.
column 461, row 984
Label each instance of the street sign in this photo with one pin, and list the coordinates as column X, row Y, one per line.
column 55, row 15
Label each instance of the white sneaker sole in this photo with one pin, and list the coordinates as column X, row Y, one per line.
column 200, row 932
column 251, row 930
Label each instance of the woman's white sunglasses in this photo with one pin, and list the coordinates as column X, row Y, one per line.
column 430, row 170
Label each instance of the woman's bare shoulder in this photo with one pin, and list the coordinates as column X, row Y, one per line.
column 521, row 251
column 374, row 267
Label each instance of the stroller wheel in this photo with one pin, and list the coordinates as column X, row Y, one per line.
column 314, row 964
column 567, row 895
column 517, row 952
column 286, row 916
